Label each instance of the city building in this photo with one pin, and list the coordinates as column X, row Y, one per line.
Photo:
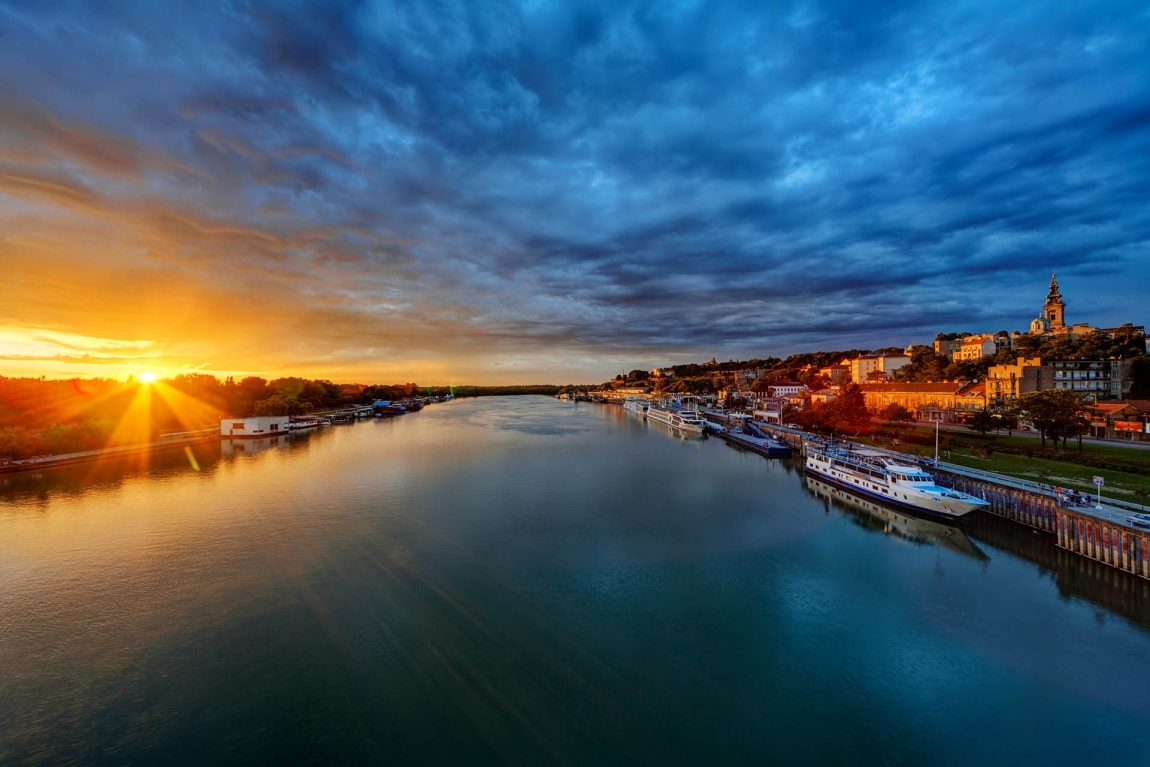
column 255, row 426
column 886, row 364
column 835, row 373
column 1099, row 379
column 975, row 348
column 947, row 348
column 1128, row 420
column 824, row 396
column 786, row 389
column 927, row 401
column 1006, row 383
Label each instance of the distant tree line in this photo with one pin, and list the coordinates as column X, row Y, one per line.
column 50, row 417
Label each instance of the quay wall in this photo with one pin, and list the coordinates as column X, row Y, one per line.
column 1102, row 540
column 1029, row 508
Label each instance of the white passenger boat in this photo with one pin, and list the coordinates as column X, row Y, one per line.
column 635, row 405
column 872, row 474
column 684, row 420
column 688, row 420
column 917, row 529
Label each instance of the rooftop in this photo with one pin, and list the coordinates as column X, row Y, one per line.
column 939, row 387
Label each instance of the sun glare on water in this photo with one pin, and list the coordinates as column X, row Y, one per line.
column 147, row 377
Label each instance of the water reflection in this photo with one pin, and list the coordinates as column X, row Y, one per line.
column 230, row 447
column 876, row 516
column 513, row 580
column 106, row 473
column 1074, row 576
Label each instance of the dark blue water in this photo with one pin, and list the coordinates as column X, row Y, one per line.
column 523, row 580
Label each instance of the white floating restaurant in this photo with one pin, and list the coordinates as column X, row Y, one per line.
column 255, row 426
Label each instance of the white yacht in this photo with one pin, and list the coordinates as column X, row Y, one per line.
column 635, row 405
column 912, row 528
column 688, row 420
column 872, row 474
column 685, row 420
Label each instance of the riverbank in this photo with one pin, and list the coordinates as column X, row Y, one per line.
column 66, row 459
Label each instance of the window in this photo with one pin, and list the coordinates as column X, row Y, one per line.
column 241, row 426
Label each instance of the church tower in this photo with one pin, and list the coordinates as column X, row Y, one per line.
column 1054, row 308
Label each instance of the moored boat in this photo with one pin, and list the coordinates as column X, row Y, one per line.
column 635, row 405
column 872, row 474
column 684, row 420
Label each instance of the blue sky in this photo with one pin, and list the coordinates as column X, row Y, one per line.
column 550, row 192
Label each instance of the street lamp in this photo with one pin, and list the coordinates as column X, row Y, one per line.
column 936, row 444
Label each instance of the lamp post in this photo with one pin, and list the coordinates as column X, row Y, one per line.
column 936, row 444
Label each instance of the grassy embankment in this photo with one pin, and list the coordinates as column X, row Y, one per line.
column 991, row 454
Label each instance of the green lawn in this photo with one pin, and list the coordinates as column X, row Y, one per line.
column 1118, row 484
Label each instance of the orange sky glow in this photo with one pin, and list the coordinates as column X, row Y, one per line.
column 117, row 261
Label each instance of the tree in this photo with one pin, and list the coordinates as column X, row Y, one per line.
column 924, row 366
column 848, row 412
column 896, row 414
column 1056, row 413
column 981, row 422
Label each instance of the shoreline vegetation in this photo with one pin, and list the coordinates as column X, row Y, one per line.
column 41, row 417
column 51, row 417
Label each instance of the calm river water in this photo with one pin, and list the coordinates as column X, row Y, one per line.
column 524, row 580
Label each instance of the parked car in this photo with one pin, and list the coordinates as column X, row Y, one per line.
column 1141, row 520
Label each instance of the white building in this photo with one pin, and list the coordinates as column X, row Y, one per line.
column 975, row 348
column 887, row 364
column 786, row 389
column 255, row 426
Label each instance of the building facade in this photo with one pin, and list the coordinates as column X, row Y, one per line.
column 1096, row 379
column 945, row 348
column 1128, row 420
column 786, row 389
column 927, row 401
column 255, row 426
column 887, row 364
column 835, row 373
column 1006, row 383
column 975, row 348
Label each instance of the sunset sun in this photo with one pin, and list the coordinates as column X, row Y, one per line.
column 147, row 377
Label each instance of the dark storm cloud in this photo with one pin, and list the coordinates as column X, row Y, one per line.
column 648, row 178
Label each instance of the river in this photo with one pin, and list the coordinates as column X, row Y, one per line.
column 525, row 580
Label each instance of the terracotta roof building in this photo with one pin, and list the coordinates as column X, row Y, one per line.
column 944, row 400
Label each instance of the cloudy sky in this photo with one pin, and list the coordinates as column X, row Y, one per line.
column 550, row 192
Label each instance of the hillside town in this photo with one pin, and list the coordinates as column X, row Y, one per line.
column 952, row 380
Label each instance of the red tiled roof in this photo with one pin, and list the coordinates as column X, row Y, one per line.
column 907, row 388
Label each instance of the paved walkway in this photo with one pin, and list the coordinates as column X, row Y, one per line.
column 48, row 461
column 1032, row 435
